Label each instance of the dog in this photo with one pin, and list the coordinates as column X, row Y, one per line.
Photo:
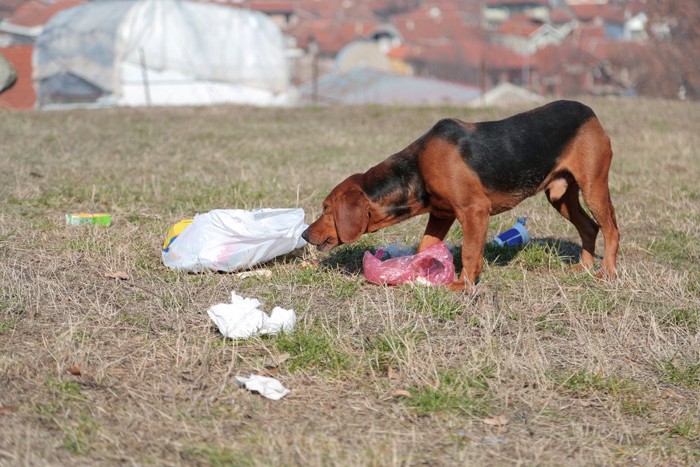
column 470, row 171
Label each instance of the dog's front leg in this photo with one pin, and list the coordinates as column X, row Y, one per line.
column 435, row 231
column 474, row 220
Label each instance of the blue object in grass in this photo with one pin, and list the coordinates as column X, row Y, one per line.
column 515, row 236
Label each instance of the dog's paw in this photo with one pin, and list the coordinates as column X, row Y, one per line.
column 606, row 275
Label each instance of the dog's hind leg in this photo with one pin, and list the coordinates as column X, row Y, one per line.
column 597, row 198
column 589, row 169
column 563, row 195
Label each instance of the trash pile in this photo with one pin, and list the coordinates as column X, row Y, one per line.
column 228, row 240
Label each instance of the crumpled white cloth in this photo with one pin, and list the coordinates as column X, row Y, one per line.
column 266, row 386
column 241, row 318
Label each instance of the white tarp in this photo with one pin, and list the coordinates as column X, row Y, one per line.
column 160, row 52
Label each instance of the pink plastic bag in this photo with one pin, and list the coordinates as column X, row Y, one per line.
column 434, row 264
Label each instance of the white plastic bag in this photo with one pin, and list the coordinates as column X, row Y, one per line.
column 233, row 239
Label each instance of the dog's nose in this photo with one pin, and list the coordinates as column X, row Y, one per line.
column 305, row 235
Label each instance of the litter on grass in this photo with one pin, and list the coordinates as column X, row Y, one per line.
column 516, row 236
column 432, row 266
column 232, row 239
column 82, row 218
column 266, row 386
column 242, row 318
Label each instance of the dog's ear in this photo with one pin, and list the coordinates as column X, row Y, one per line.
column 351, row 215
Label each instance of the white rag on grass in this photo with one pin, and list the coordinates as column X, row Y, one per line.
column 241, row 318
column 266, row 386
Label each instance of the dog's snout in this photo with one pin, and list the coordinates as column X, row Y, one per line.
column 305, row 235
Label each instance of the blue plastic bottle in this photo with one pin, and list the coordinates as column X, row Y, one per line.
column 515, row 236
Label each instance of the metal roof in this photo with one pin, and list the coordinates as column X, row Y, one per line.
column 369, row 86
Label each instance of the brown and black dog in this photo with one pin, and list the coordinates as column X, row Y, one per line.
column 470, row 171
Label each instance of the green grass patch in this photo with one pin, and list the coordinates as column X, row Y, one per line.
column 636, row 406
column 385, row 351
column 64, row 388
column 685, row 374
column 307, row 276
column 584, row 383
column 349, row 257
column 456, row 392
column 81, row 337
column 7, row 325
column 88, row 241
column 67, row 412
column 688, row 318
column 79, row 434
column 536, row 256
column 344, row 288
column 596, row 301
column 216, row 455
column 552, row 325
column 675, row 246
column 192, row 197
column 500, row 255
column 438, row 302
column 313, row 350
column 688, row 428
column 135, row 320
column 11, row 305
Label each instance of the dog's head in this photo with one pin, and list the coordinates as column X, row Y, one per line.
column 345, row 216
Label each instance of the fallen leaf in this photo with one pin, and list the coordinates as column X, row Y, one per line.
column 401, row 393
column 117, row 275
column 499, row 420
column 74, row 369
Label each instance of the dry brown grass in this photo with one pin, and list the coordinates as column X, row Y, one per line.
column 585, row 372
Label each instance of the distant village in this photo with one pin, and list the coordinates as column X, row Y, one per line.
column 412, row 51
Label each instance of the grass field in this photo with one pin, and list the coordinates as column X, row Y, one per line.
column 543, row 366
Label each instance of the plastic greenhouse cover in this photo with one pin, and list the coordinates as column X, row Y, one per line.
column 171, row 47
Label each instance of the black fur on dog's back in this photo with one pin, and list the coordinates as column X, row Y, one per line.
column 517, row 153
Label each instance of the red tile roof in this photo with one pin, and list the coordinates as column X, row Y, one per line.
column 37, row 13
column 21, row 95
column 519, row 25
column 270, row 6
column 339, row 10
column 586, row 12
column 433, row 23
column 560, row 16
column 7, row 7
column 516, row 2
column 473, row 52
column 331, row 35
